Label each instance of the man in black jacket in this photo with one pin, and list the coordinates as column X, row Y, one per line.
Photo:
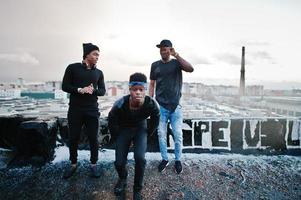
column 127, row 123
column 85, row 83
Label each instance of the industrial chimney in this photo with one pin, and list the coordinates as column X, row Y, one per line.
column 242, row 74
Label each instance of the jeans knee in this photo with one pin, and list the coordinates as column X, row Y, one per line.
column 178, row 137
column 162, row 134
column 162, row 129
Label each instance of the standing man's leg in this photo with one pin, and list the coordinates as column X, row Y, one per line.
column 162, row 136
column 140, row 145
column 176, row 121
column 75, row 122
column 123, row 142
column 92, row 125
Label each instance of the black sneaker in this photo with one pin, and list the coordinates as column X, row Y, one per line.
column 162, row 166
column 178, row 167
column 94, row 172
column 137, row 195
column 69, row 172
column 120, row 187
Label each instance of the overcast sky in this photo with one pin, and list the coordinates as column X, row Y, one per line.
column 39, row 38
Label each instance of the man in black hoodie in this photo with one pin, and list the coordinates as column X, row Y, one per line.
column 127, row 123
column 85, row 83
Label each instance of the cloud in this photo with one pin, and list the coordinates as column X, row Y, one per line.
column 252, row 43
column 258, row 43
column 199, row 60
column 131, row 61
column 261, row 55
column 112, row 36
column 228, row 58
column 24, row 58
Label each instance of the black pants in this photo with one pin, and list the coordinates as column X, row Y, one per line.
column 76, row 119
column 139, row 137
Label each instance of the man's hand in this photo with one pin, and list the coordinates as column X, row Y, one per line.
column 89, row 89
column 186, row 66
column 173, row 52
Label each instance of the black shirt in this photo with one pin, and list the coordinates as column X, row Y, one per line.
column 168, row 77
column 121, row 115
column 78, row 76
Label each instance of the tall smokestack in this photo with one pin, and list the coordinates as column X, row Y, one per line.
column 242, row 74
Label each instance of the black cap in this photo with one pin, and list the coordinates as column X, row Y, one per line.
column 164, row 43
column 88, row 48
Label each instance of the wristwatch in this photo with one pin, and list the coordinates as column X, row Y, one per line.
column 78, row 89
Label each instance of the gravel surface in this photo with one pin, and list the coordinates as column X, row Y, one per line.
column 205, row 176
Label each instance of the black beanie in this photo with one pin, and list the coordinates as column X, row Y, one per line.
column 88, row 48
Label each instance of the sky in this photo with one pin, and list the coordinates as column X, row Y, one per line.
column 40, row 38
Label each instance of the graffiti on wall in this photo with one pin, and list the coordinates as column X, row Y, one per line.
column 235, row 134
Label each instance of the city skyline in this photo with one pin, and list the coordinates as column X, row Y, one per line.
column 40, row 38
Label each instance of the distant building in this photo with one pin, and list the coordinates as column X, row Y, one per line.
column 10, row 93
column 288, row 106
column 194, row 89
column 279, row 93
column 53, row 85
column 38, row 95
column 117, row 88
column 60, row 94
column 20, row 82
column 255, row 90
column 36, row 87
column 296, row 92
column 201, row 89
column 115, row 91
column 2, row 86
column 185, row 89
column 222, row 90
column 112, row 91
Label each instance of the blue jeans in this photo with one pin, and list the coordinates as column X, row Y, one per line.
column 176, row 120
